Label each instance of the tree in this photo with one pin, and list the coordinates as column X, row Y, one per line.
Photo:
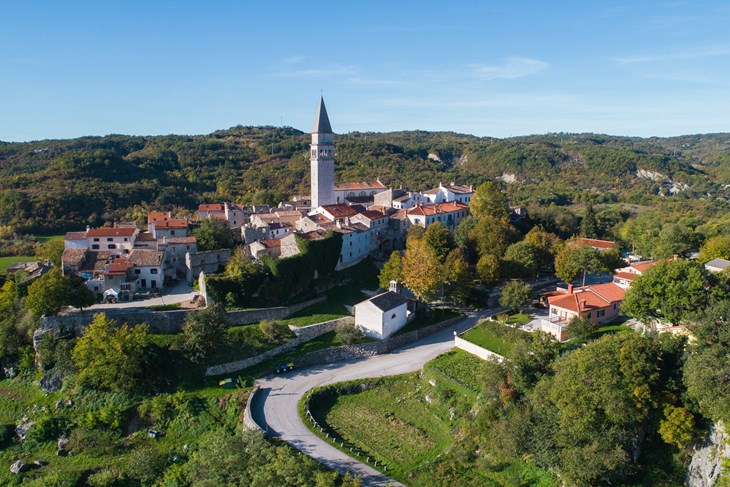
column 515, row 295
column 457, row 276
column 111, row 357
column 492, row 236
column 48, row 294
column 575, row 260
column 715, row 248
column 347, row 332
column 440, row 240
column 521, row 259
column 670, row 291
column 677, row 427
column 548, row 245
column 708, row 365
column 52, row 250
column 581, row 328
column 461, row 234
column 422, row 271
column 488, row 268
column 589, row 224
column 488, row 200
column 392, row 271
column 203, row 332
column 79, row 295
column 213, row 234
column 674, row 239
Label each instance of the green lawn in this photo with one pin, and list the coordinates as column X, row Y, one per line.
column 518, row 319
column 460, row 368
column 390, row 423
column 45, row 238
column 428, row 319
column 493, row 336
column 5, row 262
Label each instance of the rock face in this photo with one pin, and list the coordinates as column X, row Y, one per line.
column 708, row 456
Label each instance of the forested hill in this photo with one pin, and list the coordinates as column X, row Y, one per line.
column 55, row 185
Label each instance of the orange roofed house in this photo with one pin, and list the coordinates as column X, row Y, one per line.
column 449, row 214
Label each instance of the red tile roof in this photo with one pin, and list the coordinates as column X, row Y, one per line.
column 362, row 186
column 626, row 275
column 270, row 244
column 438, row 208
column 111, row 232
column 340, row 210
column 211, row 207
column 589, row 298
column 145, row 237
column 73, row 257
column 172, row 224
column 313, row 235
column 158, row 216
column 372, row 215
column 145, row 257
column 177, row 240
column 592, row 242
column 643, row 266
column 75, row 236
column 118, row 266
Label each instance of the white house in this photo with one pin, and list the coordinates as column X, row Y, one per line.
column 717, row 265
column 118, row 241
column 358, row 192
column 449, row 214
column 448, row 193
column 382, row 315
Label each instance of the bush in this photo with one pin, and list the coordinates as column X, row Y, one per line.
column 146, row 464
column 103, row 478
column 7, row 432
column 347, row 333
column 100, row 442
column 273, row 330
column 46, row 429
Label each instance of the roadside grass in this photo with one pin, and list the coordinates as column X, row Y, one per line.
column 494, row 336
column 6, row 262
column 165, row 307
column 326, row 340
column 459, row 368
column 390, row 423
column 423, row 320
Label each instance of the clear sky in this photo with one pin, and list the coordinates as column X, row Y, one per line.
column 484, row 67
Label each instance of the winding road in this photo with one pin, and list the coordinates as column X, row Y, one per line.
column 275, row 407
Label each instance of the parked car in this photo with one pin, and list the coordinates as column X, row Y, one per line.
column 281, row 368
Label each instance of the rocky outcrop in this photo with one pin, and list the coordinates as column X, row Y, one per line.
column 708, row 457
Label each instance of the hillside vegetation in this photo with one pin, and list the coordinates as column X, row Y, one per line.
column 56, row 185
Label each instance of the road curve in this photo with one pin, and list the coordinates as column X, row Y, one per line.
column 276, row 405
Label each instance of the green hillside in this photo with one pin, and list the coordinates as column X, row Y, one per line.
column 56, row 185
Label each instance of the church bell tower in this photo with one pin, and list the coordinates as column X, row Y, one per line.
column 322, row 158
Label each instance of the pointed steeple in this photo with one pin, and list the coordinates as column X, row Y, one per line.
column 322, row 122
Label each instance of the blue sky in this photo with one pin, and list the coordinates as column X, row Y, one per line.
column 486, row 68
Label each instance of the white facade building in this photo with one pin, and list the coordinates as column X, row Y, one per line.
column 382, row 315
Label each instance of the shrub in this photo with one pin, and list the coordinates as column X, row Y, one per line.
column 146, row 464
column 347, row 332
column 46, row 429
column 103, row 478
column 273, row 330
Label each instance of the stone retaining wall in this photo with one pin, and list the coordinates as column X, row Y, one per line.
column 165, row 322
column 248, row 420
column 475, row 349
column 307, row 333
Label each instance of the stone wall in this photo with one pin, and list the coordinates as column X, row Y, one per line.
column 210, row 262
column 165, row 322
column 306, row 334
column 708, row 457
column 203, row 288
column 475, row 349
column 248, row 420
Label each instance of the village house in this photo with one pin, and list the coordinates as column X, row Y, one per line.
column 358, row 193
column 449, row 193
column 169, row 228
column 624, row 276
column 117, row 241
column 175, row 249
column 381, row 316
column 449, row 214
column 259, row 248
column 596, row 244
column 717, row 265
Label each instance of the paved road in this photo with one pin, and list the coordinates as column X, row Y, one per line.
column 179, row 293
column 275, row 407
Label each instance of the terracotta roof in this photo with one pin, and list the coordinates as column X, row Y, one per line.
column 313, row 235
column 211, row 207
column 145, row 237
column 361, row 186
column 340, row 211
column 179, row 223
column 157, row 216
column 111, row 232
column 589, row 298
column 438, row 208
column 372, row 214
column 73, row 257
column 95, row 261
column 145, row 257
column 117, row 267
column 176, row 240
column 592, row 242
column 626, row 275
column 75, row 236
column 400, row 215
column 270, row 244
column 643, row 266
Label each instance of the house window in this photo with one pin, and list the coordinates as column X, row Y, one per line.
column 126, row 239
column 392, row 317
column 109, row 239
column 589, row 316
column 153, row 271
column 188, row 247
column 95, row 247
column 96, row 239
column 172, row 232
column 614, row 305
column 111, row 246
column 137, row 271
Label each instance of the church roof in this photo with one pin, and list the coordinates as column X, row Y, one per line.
column 322, row 122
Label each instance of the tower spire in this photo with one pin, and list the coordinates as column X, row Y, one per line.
column 322, row 122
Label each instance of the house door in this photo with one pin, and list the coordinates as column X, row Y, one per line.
column 153, row 283
column 143, row 282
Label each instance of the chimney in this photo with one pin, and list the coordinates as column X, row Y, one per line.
column 675, row 257
column 394, row 287
column 88, row 228
column 582, row 303
column 570, row 289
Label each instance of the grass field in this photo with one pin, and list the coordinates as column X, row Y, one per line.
column 45, row 238
column 439, row 314
column 518, row 319
column 5, row 262
column 493, row 336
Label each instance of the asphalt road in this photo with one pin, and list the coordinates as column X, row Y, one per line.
column 276, row 405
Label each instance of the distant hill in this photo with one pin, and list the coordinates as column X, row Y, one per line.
column 54, row 185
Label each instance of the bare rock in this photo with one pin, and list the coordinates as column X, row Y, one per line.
column 51, row 382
